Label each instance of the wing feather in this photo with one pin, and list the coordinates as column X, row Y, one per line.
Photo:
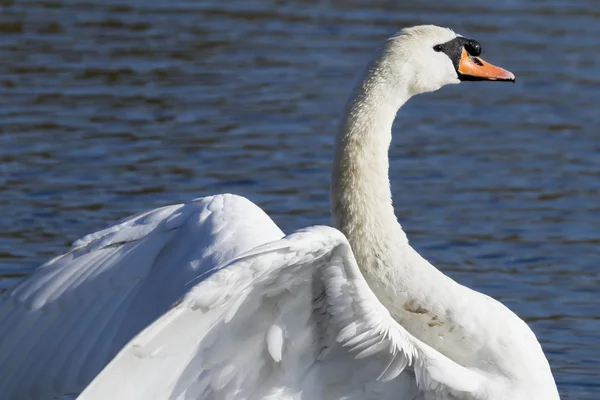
column 292, row 319
column 61, row 325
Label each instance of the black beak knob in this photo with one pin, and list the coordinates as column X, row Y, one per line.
column 473, row 48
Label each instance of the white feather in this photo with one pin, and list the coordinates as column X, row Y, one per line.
column 289, row 366
column 275, row 342
column 61, row 325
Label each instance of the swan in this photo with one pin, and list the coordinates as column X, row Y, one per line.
column 352, row 312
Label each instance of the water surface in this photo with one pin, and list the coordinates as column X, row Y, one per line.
column 108, row 108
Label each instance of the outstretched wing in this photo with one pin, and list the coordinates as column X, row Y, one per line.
column 65, row 322
column 292, row 319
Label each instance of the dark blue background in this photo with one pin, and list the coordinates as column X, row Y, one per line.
column 111, row 107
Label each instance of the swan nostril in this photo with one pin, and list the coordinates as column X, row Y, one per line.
column 477, row 61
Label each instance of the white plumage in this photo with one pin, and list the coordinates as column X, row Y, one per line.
column 320, row 314
column 64, row 323
column 288, row 320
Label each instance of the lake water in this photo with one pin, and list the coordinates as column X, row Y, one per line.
column 108, row 108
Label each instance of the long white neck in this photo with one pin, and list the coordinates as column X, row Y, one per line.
column 456, row 321
column 360, row 187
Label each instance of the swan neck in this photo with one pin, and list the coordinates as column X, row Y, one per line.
column 360, row 186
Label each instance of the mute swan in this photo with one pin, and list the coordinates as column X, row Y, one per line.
column 292, row 318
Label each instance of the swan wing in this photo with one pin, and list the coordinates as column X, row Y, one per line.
column 292, row 319
column 61, row 325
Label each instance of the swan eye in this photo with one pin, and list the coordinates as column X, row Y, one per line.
column 438, row 47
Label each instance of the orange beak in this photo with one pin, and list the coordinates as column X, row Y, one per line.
column 473, row 68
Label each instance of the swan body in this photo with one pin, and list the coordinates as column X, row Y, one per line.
column 352, row 313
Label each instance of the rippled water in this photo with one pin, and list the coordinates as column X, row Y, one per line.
column 111, row 107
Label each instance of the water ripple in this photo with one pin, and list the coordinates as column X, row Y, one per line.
column 112, row 107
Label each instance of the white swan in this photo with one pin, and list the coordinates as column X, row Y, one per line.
column 293, row 318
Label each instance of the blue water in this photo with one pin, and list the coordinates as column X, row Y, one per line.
column 111, row 107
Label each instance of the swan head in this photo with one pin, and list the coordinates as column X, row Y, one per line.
column 425, row 58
